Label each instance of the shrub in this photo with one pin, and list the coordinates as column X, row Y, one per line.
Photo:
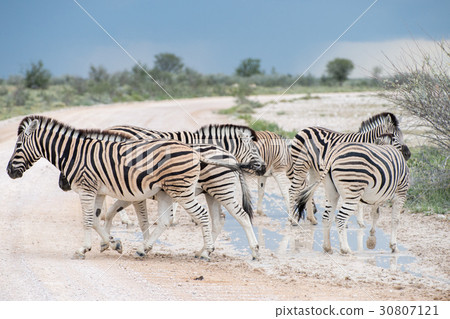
column 421, row 88
column 249, row 67
column 168, row 62
column 430, row 180
column 37, row 77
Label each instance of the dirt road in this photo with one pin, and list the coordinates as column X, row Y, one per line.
column 41, row 227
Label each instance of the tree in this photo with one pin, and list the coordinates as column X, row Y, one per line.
column 37, row 77
column 249, row 67
column 168, row 62
column 339, row 69
column 98, row 74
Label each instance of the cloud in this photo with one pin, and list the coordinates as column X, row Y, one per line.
column 367, row 55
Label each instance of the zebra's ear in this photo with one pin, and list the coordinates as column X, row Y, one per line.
column 31, row 128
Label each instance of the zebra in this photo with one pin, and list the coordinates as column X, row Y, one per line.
column 311, row 145
column 370, row 173
column 217, row 183
column 274, row 150
column 127, row 170
column 238, row 140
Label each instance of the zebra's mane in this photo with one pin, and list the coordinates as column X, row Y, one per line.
column 384, row 139
column 52, row 124
column 377, row 120
column 226, row 129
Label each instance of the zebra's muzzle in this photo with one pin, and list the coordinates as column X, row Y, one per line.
column 260, row 169
column 13, row 172
column 406, row 152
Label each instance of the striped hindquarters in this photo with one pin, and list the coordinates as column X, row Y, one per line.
column 373, row 171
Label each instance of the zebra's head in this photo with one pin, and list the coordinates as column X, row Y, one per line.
column 383, row 123
column 392, row 139
column 25, row 152
column 251, row 157
column 239, row 141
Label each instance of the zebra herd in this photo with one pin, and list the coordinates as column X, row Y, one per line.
column 133, row 164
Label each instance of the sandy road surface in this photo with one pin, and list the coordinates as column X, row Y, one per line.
column 40, row 229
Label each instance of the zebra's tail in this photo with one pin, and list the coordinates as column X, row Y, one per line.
column 246, row 197
column 233, row 166
column 306, row 194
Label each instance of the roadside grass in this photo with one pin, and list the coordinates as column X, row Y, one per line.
column 429, row 190
column 263, row 125
column 16, row 99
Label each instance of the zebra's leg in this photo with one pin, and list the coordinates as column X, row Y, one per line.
column 374, row 214
column 217, row 221
column 117, row 207
column 360, row 216
column 125, row 219
column 261, row 186
column 87, row 199
column 107, row 239
column 164, row 221
column 310, row 211
column 217, row 217
column 348, row 208
column 175, row 214
column 396, row 209
column 332, row 197
column 199, row 213
column 244, row 220
column 142, row 216
column 283, row 183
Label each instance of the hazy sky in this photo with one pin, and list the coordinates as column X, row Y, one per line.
column 214, row 36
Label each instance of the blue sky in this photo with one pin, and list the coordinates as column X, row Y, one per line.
column 213, row 36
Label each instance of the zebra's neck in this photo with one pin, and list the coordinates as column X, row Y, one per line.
column 60, row 143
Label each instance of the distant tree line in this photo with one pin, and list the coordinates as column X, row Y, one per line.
column 37, row 88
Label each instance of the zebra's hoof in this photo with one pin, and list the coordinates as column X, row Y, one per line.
column 140, row 254
column 313, row 221
column 294, row 222
column 205, row 257
column 103, row 247
column 328, row 250
column 78, row 255
column 371, row 242
column 394, row 248
column 203, row 254
column 345, row 251
column 118, row 246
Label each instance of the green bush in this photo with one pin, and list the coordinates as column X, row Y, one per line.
column 37, row 77
column 430, row 180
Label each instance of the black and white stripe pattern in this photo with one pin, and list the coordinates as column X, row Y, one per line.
column 127, row 170
column 311, row 146
column 362, row 172
column 236, row 139
column 219, row 184
column 274, row 150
